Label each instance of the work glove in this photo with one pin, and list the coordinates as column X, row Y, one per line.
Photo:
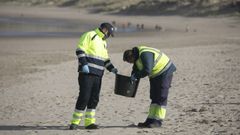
column 133, row 78
column 114, row 70
column 85, row 69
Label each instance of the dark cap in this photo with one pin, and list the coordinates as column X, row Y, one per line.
column 109, row 27
column 127, row 54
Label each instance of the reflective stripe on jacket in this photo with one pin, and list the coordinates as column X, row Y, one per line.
column 161, row 61
column 92, row 50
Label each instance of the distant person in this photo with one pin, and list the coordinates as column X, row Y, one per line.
column 138, row 27
column 129, row 24
column 158, row 28
column 142, row 26
column 114, row 23
column 93, row 59
column 159, row 68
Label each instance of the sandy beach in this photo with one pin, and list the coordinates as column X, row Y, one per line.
column 38, row 76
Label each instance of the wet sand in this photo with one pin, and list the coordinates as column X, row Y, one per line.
column 38, row 77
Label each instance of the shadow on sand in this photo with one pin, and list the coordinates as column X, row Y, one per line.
column 22, row 127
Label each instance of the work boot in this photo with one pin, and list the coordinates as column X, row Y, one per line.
column 145, row 124
column 155, row 124
column 92, row 126
column 142, row 125
column 73, row 127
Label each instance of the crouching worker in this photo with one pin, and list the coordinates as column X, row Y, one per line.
column 159, row 68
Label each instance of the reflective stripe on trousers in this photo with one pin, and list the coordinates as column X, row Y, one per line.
column 90, row 117
column 77, row 116
column 157, row 112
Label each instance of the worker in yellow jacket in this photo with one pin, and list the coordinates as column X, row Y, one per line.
column 93, row 59
column 159, row 68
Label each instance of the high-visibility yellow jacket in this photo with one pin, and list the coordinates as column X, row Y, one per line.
column 92, row 50
column 160, row 61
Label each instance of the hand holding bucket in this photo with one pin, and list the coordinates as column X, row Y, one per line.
column 124, row 86
column 133, row 78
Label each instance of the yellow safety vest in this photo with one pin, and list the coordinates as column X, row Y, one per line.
column 93, row 44
column 161, row 61
column 95, row 50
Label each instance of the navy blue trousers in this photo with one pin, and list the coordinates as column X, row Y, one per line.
column 89, row 89
column 159, row 87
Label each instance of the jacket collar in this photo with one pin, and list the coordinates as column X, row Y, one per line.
column 99, row 33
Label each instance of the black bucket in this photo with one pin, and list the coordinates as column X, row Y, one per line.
column 124, row 87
